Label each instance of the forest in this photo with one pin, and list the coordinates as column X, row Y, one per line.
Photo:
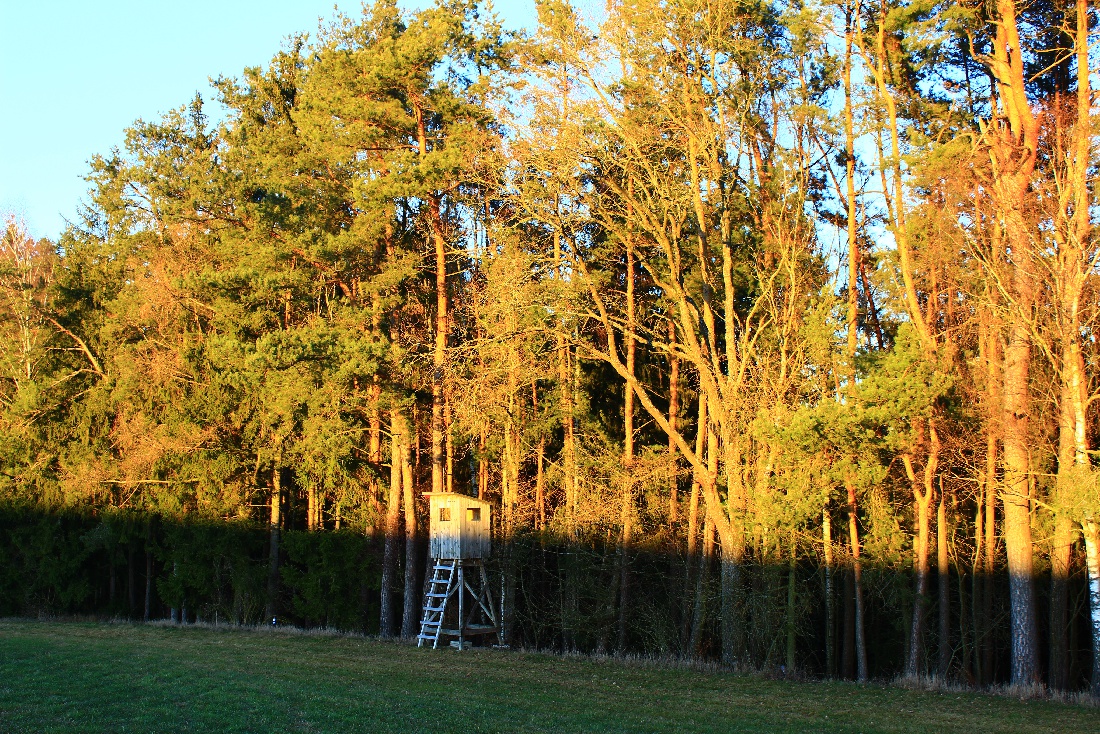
column 769, row 328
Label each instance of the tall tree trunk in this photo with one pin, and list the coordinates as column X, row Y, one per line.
column 848, row 639
column 691, row 563
column 540, row 485
column 850, row 195
column 673, row 421
column 1013, row 153
column 387, row 621
column 923, row 493
column 944, row 592
column 439, row 351
column 374, row 395
column 830, row 595
column 1060, row 555
column 1061, row 550
column 311, row 507
column 509, row 479
column 995, row 397
column 977, row 576
column 483, row 464
column 627, row 507
column 410, row 615
column 922, row 505
column 699, row 614
column 792, row 607
column 1073, row 454
column 857, row 587
column 540, row 461
column 274, row 528
column 569, row 452
column 852, row 17
column 1016, row 501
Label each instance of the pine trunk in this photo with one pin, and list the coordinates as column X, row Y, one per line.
column 387, row 621
column 1016, row 501
column 857, row 588
column 944, row 591
column 830, row 595
column 673, row 421
column 411, row 613
column 274, row 529
column 792, row 608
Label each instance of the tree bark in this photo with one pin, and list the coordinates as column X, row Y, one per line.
column 1060, row 555
column 699, row 614
column 410, row 615
column 1016, row 500
column 627, row 507
column 944, row 591
column 848, row 639
column 792, row 607
column 439, row 350
column 387, row 622
column 692, row 561
column 830, row 595
column 569, row 453
column 673, row 421
column 850, row 183
column 1013, row 154
column 922, row 505
column 857, row 587
column 274, row 529
column 995, row 397
column 1073, row 428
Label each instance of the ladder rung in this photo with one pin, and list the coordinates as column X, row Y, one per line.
column 435, row 595
column 444, row 568
column 425, row 637
column 433, row 609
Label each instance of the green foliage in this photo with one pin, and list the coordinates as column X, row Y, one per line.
column 243, row 302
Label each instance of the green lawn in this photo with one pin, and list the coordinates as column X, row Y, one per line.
column 77, row 677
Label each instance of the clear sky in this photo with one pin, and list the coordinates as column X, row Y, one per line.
column 75, row 73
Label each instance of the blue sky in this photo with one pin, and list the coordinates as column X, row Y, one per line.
column 74, row 75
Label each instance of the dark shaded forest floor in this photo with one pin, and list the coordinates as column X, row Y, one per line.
column 89, row 677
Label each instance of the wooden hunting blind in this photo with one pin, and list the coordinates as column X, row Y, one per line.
column 459, row 541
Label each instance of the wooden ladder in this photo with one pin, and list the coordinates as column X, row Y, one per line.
column 440, row 590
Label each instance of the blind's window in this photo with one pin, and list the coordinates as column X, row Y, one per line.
column 444, row 514
column 473, row 514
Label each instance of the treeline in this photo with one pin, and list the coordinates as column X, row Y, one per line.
column 771, row 328
column 130, row 565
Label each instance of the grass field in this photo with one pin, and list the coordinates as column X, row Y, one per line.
column 83, row 677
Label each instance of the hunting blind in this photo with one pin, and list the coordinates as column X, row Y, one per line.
column 458, row 602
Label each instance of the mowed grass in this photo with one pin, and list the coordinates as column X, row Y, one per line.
column 77, row 677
